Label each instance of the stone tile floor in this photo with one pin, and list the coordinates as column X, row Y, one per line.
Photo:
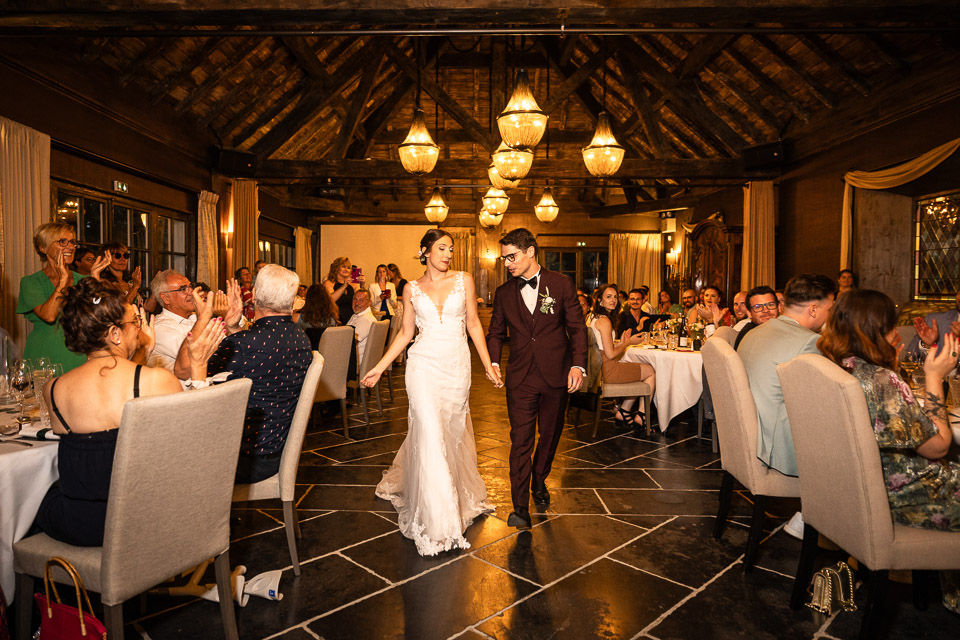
column 625, row 550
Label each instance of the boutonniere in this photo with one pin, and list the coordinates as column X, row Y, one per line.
column 546, row 302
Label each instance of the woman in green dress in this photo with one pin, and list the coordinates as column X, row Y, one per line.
column 41, row 294
column 923, row 489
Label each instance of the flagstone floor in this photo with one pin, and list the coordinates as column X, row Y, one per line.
column 625, row 550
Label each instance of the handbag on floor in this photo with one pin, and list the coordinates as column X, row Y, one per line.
column 832, row 587
column 60, row 621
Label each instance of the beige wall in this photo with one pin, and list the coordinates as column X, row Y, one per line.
column 368, row 245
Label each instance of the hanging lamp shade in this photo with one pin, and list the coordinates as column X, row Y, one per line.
column 496, row 201
column 489, row 220
column 522, row 122
column 418, row 151
column 604, row 154
column 436, row 210
column 547, row 209
column 499, row 181
column 512, row 164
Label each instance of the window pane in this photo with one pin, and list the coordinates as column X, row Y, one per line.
column 164, row 227
column 180, row 263
column 551, row 260
column 68, row 208
column 139, row 259
column 138, row 230
column 938, row 264
column 120, row 229
column 92, row 221
column 568, row 262
column 179, row 234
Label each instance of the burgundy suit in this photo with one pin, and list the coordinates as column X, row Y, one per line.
column 543, row 347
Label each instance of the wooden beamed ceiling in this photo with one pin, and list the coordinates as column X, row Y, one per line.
column 321, row 110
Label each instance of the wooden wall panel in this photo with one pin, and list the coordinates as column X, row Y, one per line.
column 884, row 236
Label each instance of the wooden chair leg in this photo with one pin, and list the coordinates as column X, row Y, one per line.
column 343, row 414
column 700, row 419
column 390, row 384
column 756, row 532
column 596, row 417
column 723, row 506
column 113, row 618
column 24, row 605
column 808, row 553
column 376, row 392
column 222, row 570
column 291, row 525
column 363, row 403
column 715, row 445
column 873, row 612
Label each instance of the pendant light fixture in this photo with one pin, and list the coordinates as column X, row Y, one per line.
column 499, row 181
column 547, row 209
column 512, row 164
column 496, row 201
column 522, row 122
column 418, row 151
column 436, row 210
column 489, row 220
column 604, row 154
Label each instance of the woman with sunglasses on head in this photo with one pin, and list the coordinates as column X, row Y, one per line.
column 41, row 293
column 118, row 274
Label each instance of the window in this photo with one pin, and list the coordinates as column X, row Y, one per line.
column 274, row 251
column 586, row 267
column 936, row 244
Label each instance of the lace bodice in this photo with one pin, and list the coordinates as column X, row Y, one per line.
column 445, row 321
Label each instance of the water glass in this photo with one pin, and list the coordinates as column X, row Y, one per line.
column 672, row 341
column 40, row 378
column 20, row 381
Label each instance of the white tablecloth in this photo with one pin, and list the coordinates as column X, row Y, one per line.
column 25, row 475
column 679, row 379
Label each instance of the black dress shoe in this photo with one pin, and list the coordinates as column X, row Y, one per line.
column 541, row 497
column 520, row 519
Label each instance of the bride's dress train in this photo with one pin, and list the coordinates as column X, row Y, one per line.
column 433, row 482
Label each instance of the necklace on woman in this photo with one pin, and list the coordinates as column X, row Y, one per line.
column 105, row 355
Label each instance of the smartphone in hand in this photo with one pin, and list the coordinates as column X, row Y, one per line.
column 355, row 275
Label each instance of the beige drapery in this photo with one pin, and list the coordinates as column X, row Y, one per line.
column 635, row 259
column 245, row 223
column 24, row 205
column 884, row 179
column 758, row 235
column 304, row 253
column 208, row 259
column 462, row 251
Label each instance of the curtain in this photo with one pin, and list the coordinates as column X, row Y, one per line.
column 24, row 205
column 245, row 228
column 758, row 235
column 208, row 259
column 462, row 251
column 884, row 179
column 635, row 259
column 304, row 253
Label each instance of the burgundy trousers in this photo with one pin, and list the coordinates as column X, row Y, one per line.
column 533, row 406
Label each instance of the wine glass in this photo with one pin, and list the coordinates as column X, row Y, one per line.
column 20, row 379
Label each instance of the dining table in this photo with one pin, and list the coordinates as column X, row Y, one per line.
column 679, row 378
column 27, row 469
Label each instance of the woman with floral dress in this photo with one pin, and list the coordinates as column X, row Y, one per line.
column 923, row 489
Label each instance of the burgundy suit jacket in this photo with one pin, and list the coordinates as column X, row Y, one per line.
column 549, row 342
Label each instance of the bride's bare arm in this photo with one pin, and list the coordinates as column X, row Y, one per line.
column 404, row 336
column 475, row 331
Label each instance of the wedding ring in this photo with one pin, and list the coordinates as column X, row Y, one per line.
column 953, row 353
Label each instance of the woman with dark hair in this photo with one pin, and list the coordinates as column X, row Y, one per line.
column 605, row 325
column 383, row 294
column 245, row 280
column 397, row 279
column 923, row 489
column 318, row 310
column 84, row 258
column 434, row 483
column 118, row 275
column 338, row 285
column 847, row 280
column 666, row 305
column 712, row 310
column 87, row 403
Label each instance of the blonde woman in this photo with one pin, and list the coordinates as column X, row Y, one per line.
column 339, row 284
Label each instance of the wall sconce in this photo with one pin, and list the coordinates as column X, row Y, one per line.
column 228, row 235
column 673, row 256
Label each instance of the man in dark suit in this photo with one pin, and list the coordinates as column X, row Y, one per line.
column 548, row 357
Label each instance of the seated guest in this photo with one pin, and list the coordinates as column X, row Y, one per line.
column 781, row 299
column 301, row 298
column 87, row 404
column 259, row 264
column 633, row 317
column 383, row 294
column 740, row 312
column 923, row 489
column 83, row 259
column 606, row 326
column 318, row 310
column 118, row 275
column 932, row 329
column 688, row 305
column 646, row 306
column 585, row 305
column 245, row 278
column 846, row 281
column 340, row 286
column 275, row 354
column 666, row 306
column 808, row 301
column 177, row 317
column 622, row 295
column 712, row 311
column 361, row 320
column 763, row 306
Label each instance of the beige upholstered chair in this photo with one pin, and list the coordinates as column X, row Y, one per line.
column 842, row 487
column 372, row 353
column 727, row 333
column 335, row 347
column 737, row 426
column 169, row 504
column 907, row 333
column 282, row 484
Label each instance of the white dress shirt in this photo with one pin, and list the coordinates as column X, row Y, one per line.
column 170, row 329
column 361, row 322
column 740, row 325
column 529, row 294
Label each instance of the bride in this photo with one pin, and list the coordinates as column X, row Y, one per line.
column 433, row 482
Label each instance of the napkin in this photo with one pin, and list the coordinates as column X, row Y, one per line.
column 36, row 432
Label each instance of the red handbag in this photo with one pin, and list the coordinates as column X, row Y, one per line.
column 63, row 622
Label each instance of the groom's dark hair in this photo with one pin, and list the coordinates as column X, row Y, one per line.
column 521, row 239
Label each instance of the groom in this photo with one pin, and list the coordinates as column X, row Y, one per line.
column 548, row 356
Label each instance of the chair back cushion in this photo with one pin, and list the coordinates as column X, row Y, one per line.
column 841, row 480
column 335, row 348
column 373, row 350
column 290, row 457
column 170, row 493
column 726, row 333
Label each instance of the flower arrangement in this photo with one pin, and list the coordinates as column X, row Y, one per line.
column 546, row 302
column 696, row 330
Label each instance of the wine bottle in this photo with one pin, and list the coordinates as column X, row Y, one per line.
column 683, row 338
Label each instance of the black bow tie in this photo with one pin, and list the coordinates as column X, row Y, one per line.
column 532, row 282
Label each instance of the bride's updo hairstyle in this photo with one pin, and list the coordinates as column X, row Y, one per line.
column 89, row 310
column 428, row 240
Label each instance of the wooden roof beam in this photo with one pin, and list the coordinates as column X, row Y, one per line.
column 218, row 75
column 837, row 62
column 702, row 54
column 182, row 72
column 817, row 88
column 648, row 117
column 578, row 77
column 348, row 126
column 268, row 114
column 753, row 104
column 653, row 206
column 152, row 51
column 251, row 80
column 889, row 52
column 766, row 84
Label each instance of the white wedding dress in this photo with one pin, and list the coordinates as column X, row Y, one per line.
column 433, row 482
